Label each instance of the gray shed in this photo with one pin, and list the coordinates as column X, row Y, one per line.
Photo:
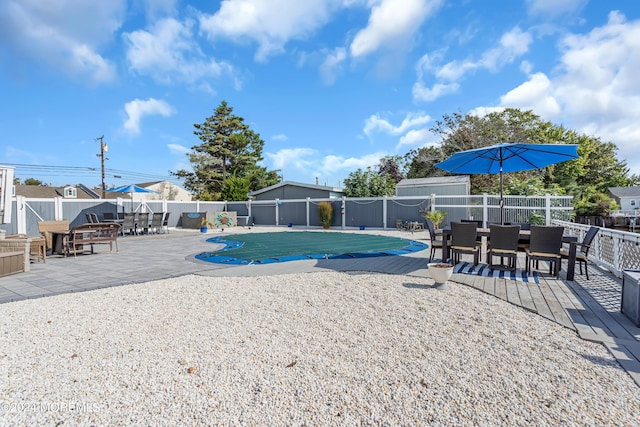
column 296, row 190
column 459, row 185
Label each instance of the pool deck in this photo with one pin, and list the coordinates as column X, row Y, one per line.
column 591, row 308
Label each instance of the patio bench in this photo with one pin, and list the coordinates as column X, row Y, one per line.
column 84, row 235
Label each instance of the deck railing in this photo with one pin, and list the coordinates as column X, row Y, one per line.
column 615, row 250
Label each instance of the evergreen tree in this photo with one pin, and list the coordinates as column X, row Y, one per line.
column 228, row 149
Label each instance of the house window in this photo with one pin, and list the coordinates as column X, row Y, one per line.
column 70, row 192
column 633, row 202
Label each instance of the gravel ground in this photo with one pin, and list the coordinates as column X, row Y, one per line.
column 305, row 349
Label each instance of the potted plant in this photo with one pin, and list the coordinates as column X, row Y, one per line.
column 205, row 224
column 440, row 273
column 326, row 214
column 436, row 217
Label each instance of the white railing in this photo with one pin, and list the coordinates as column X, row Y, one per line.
column 517, row 209
column 612, row 249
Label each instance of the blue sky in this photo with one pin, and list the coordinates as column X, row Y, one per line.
column 330, row 85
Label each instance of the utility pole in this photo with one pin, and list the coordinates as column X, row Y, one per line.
column 103, row 149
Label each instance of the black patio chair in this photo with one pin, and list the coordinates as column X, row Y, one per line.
column 544, row 245
column 464, row 240
column 582, row 250
column 503, row 242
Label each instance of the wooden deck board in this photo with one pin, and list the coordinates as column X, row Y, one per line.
column 489, row 286
column 556, row 308
column 500, row 289
column 512, row 292
column 526, row 300
column 597, row 317
column 541, row 304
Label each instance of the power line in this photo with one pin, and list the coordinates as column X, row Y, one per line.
column 88, row 173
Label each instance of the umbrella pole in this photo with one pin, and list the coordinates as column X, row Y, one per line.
column 501, row 198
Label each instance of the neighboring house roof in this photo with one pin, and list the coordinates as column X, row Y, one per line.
column 42, row 192
column 436, row 180
column 297, row 184
column 622, row 192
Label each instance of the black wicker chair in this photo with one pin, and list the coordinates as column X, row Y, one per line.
column 464, row 236
column 435, row 242
column 503, row 242
column 545, row 245
column 582, row 250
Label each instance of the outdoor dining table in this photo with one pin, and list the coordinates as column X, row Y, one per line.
column 571, row 239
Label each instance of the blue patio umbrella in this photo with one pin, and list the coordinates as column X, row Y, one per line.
column 131, row 188
column 508, row 157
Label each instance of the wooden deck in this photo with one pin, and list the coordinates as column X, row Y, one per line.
column 569, row 304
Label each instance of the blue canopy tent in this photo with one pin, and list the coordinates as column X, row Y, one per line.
column 508, row 157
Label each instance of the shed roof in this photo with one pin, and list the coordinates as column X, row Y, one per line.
column 435, row 180
column 297, row 184
column 625, row 191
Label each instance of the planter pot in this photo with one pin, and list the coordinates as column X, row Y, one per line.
column 204, row 229
column 362, row 227
column 440, row 273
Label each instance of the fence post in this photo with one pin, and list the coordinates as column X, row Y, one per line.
column 278, row 202
column 21, row 215
column 485, row 209
column 617, row 258
column 308, row 207
column 547, row 213
column 343, row 211
column 384, row 212
column 58, row 211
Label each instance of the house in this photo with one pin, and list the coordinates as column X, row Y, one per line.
column 627, row 197
column 44, row 192
column 296, row 190
column 459, row 185
column 165, row 191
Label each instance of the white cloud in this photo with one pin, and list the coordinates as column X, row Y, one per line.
column 158, row 8
column 553, row 8
column 594, row 89
column 168, row 52
column 331, row 65
column 391, row 25
column 422, row 93
column 178, row 149
column 535, row 94
column 279, row 137
column 379, row 124
column 414, row 138
column 511, row 46
column 269, row 23
column 332, row 164
column 138, row 108
column 66, row 35
column 296, row 158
